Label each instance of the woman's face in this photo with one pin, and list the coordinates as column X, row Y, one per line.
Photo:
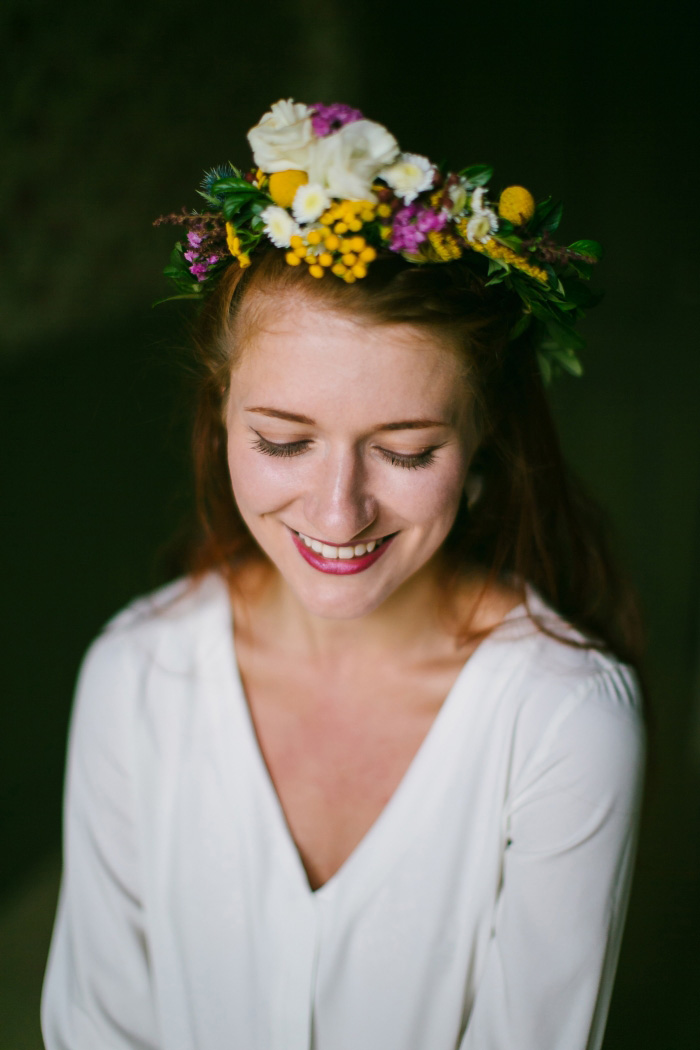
column 348, row 448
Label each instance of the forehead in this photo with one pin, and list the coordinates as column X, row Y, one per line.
column 308, row 355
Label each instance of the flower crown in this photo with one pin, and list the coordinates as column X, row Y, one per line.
column 333, row 191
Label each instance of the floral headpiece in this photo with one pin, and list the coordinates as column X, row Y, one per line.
column 333, row 191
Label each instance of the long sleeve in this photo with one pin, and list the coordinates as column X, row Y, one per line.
column 97, row 989
column 571, row 822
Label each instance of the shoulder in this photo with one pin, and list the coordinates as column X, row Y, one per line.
column 569, row 706
column 171, row 621
column 169, row 630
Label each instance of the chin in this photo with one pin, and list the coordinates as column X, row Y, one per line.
column 340, row 598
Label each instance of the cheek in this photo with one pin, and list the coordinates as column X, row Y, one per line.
column 426, row 496
column 260, row 483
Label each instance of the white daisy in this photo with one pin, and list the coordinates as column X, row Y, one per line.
column 410, row 175
column 310, row 202
column 280, row 227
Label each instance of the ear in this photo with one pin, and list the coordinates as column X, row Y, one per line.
column 473, row 488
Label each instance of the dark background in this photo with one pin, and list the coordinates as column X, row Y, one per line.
column 116, row 109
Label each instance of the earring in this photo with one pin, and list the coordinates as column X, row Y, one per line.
column 473, row 488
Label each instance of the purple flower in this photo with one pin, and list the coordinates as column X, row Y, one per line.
column 195, row 239
column 429, row 220
column 213, row 259
column 327, row 119
column 411, row 226
column 190, row 256
column 199, row 270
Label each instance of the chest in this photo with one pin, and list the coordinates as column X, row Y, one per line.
column 336, row 753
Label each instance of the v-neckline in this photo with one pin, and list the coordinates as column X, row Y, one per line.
column 409, row 797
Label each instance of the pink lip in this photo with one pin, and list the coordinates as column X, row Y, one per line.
column 339, row 566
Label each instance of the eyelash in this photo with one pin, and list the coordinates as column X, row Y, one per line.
column 295, row 448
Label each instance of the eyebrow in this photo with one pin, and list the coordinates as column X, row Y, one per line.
column 406, row 424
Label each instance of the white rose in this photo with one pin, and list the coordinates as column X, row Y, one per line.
column 282, row 138
column 347, row 162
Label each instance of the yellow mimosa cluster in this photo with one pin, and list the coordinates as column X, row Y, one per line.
column 234, row 246
column 322, row 249
column 445, row 246
column 494, row 250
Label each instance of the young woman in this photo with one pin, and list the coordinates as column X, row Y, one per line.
column 369, row 775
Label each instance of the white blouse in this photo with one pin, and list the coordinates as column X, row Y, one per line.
column 482, row 911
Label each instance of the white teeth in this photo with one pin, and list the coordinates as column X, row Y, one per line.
column 329, row 551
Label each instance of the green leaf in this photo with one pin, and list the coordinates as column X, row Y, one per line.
column 553, row 218
column 583, row 269
column 520, row 326
column 510, row 242
column 477, row 174
column 233, row 185
column 568, row 360
column 593, row 248
column 565, row 335
column 172, row 298
column 233, row 205
column 545, row 367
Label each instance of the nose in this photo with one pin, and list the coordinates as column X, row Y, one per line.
column 338, row 506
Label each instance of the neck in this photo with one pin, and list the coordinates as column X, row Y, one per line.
column 412, row 619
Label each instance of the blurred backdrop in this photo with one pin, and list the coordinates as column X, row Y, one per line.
column 116, row 107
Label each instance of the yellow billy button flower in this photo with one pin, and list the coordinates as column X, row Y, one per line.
column 340, row 227
column 357, row 244
column 293, row 259
column 325, row 259
column 316, row 271
column 332, row 242
column 283, row 186
column 314, row 237
column 339, row 269
column 368, row 255
column 384, row 211
column 359, row 270
column 517, row 205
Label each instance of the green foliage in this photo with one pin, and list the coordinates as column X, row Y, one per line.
column 477, row 174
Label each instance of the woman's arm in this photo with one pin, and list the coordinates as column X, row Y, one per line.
column 572, row 821
column 97, row 991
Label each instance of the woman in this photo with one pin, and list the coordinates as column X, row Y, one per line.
column 369, row 775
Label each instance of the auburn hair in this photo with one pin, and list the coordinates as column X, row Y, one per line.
column 533, row 524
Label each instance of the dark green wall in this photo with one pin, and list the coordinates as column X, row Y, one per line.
column 116, row 109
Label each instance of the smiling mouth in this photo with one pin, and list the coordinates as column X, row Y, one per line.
column 327, row 550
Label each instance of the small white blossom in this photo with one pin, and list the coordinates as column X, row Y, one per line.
column 280, row 227
column 410, row 175
column 459, row 197
column 310, row 202
column 484, row 221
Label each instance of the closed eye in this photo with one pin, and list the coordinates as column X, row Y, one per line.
column 296, row 448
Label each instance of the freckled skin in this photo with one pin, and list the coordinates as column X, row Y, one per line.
column 349, row 378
